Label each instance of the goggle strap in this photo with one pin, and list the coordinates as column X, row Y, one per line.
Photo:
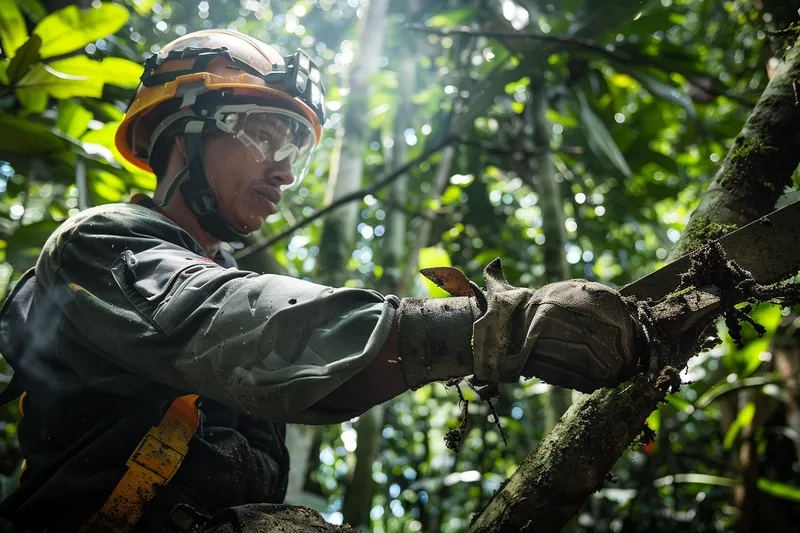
column 173, row 187
column 197, row 193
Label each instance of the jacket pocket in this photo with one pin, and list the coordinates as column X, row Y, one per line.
column 124, row 272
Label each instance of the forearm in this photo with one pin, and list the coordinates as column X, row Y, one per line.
column 379, row 381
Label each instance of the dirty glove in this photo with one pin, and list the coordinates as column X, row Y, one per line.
column 575, row 334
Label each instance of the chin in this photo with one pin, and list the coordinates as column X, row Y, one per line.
column 252, row 223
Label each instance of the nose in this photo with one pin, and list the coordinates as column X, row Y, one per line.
column 281, row 176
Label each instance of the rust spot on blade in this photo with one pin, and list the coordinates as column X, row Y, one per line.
column 450, row 279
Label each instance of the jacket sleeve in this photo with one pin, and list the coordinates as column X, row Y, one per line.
column 141, row 294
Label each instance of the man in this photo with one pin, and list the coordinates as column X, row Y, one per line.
column 157, row 376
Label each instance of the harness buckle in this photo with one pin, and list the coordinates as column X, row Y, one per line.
column 159, row 453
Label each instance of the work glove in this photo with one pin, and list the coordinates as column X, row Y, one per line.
column 575, row 334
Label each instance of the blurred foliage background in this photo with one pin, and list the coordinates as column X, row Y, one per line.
column 571, row 139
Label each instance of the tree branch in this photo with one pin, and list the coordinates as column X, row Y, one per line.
column 759, row 165
column 383, row 181
column 495, row 149
column 572, row 462
column 570, row 40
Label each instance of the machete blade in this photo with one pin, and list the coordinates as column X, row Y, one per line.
column 768, row 247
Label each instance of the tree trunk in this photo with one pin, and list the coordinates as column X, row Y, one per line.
column 423, row 233
column 551, row 202
column 758, row 167
column 358, row 497
column 574, row 459
column 339, row 229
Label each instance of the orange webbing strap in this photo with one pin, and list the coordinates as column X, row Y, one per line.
column 154, row 462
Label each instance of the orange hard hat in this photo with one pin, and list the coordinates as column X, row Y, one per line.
column 217, row 60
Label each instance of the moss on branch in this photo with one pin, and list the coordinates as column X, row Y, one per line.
column 759, row 165
column 574, row 459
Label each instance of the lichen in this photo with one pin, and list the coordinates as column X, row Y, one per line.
column 702, row 229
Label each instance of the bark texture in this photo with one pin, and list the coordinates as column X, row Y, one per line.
column 574, row 459
column 758, row 167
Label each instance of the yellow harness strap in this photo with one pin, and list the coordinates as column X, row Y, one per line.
column 154, row 462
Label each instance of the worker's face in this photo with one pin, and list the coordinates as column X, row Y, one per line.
column 247, row 188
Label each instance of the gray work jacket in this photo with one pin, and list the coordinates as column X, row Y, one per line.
column 125, row 313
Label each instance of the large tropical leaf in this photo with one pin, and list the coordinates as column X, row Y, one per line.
column 73, row 118
column 80, row 76
column 45, row 79
column 26, row 56
column 26, row 242
column 778, row 489
column 33, row 9
column 599, row 137
column 658, row 88
column 112, row 70
column 71, row 28
column 13, row 32
column 25, row 137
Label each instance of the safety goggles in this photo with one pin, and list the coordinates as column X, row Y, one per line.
column 271, row 134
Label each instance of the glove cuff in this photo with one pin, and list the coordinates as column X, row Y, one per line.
column 436, row 338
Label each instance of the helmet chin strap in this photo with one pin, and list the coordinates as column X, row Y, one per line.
column 196, row 192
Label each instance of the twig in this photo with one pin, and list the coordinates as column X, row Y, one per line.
column 424, row 214
column 492, row 148
column 382, row 182
column 570, row 40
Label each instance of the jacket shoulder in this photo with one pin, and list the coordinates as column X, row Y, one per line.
column 118, row 218
column 104, row 228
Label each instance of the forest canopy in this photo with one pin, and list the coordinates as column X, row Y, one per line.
column 571, row 139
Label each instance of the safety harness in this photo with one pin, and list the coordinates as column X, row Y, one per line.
column 153, row 463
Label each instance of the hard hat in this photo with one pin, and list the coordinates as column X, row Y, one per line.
column 217, row 62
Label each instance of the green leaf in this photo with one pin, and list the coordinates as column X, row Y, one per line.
column 646, row 24
column 26, row 243
column 679, row 403
column 778, row 489
column 112, row 70
column 25, row 137
column 105, row 137
column 654, row 421
column 705, row 479
column 81, row 76
column 73, row 118
column 33, row 9
column 660, row 89
column 71, row 28
column 723, row 387
column 451, row 194
column 13, row 32
column 60, row 85
column 451, row 18
column 27, row 55
column 143, row 7
column 33, row 100
column 107, row 187
column 600, row 138
column 744, row 361
column 743, row 419
column 431, row 257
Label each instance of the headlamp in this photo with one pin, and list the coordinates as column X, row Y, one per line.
column 302, row 79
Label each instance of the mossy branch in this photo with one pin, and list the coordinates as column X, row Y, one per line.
column 574, row 459
column 759, row 165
